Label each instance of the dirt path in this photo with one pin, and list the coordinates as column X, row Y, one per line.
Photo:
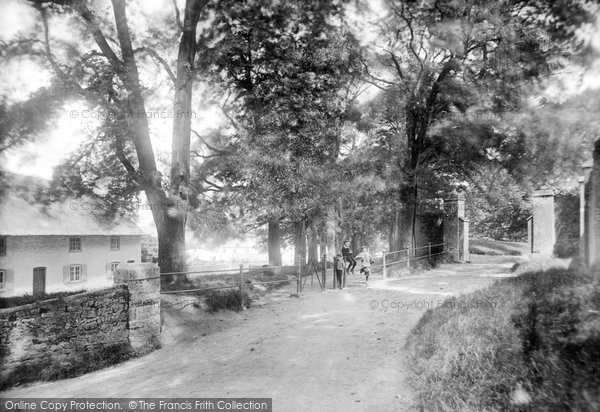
column 327, row 351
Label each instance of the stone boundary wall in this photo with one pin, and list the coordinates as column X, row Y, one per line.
column 69, row 336
column 143, row 284
column 49, row 338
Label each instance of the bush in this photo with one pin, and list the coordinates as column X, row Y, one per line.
column 566, row 247
column 226, row 299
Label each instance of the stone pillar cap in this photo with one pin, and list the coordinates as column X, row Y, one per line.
column 543, row 192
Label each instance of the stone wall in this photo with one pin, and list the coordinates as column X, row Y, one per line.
column 65, row 337
column 143, row 283
column 53, row 338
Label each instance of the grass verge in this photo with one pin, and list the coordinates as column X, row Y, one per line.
column 532, row 343
column 81, row 361
column 496, row 247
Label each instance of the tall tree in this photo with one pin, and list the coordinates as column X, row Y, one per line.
column 445, row 61
column 109, row 79
column 287, row 69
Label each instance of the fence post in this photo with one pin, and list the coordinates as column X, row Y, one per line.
column 384, row 272
column 429, row 250
column 299, row 280
column 242, row 287
column 408, row 259
column 323, row 286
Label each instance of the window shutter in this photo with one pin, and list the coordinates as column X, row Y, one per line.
column 66, row 274
column 84, row 273
column 9, row 279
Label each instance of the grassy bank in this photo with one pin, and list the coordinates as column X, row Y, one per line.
column 497, row 247
column 528, row 343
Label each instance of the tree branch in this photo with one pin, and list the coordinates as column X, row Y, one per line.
column 217, row 187
column 49, row 55
column 92, row 23
column 177, row 15
column 203, row 156
column 396, row 64
column 214, row 149
column 161, row 60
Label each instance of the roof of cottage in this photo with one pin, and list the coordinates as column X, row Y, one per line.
column 19, row 217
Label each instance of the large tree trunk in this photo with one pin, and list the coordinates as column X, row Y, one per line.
column 173, row 232
column 330, row 233
column 313, row 241
column 394, row 236
column 169, row 211
column 300, row 242
column 171, row 243
column 407, row 217
column 274, row 243
column 355, row 243
column 417, row 123
column 418, row 115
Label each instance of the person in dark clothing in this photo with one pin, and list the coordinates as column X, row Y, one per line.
column 339, row 271
column 347, row 253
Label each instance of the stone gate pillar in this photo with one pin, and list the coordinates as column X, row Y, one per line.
column 143, row 283
column 593, row 211
column 543, row 231
column 454, row 214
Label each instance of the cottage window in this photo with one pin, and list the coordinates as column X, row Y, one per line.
column 113, row 267
column 75, row 244
column 74, row 273
column 2, row 245
column 115, row 243
column 2, row 280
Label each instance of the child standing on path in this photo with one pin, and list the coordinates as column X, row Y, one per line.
column 365, row 261
column 347, row 253
column 339, row 270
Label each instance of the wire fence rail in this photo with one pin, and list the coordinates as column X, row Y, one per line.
column 302, row 272
column 408, row 255
column 244, row 274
